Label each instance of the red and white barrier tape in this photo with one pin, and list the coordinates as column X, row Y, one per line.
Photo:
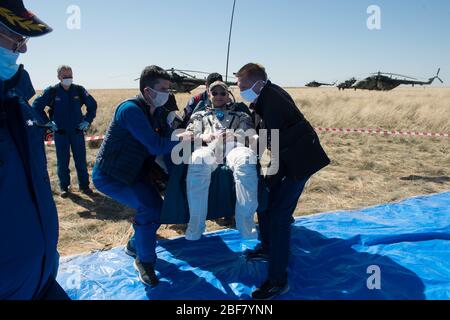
column 335, row 130
column 384, row 132
column 94, row 138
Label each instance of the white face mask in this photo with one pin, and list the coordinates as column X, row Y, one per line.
column 8, row 63
column 67, row 82
column 160, row 99
column 250, row 95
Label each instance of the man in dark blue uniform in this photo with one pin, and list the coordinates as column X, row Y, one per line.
column 67, row 120
column 28, row 217
column 130, row 148
column 300, row 157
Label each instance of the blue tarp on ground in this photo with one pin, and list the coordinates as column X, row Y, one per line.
column 331, row 254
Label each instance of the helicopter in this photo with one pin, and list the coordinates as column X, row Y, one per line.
column 183, row 81
column 383, row 81
column 315, row 84
column 346, row 84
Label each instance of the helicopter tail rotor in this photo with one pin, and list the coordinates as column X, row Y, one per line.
column 437, row 77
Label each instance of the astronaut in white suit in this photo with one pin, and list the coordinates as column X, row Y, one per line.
column 218, row 127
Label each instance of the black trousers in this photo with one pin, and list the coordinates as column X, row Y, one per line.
column 275, row 226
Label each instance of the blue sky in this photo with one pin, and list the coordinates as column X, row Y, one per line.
column 297, row 40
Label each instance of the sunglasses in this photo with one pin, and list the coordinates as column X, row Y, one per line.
column 215, row 94
column 18, row 44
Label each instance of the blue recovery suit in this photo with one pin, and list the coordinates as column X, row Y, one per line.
column 28, row 217
column 131, row 144
column 66, row 112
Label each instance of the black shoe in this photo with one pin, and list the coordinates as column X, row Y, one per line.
column 258, row 254
column 64, row 194
column 131, row 250
column 270, row 290
column 146, row 273
column 87, row 191
column 228, row 222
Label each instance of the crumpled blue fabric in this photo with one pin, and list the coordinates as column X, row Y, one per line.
column 331, row 256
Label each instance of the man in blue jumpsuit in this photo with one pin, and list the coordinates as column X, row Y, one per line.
column 28, row 217
column 69, row 124
column 131, row 145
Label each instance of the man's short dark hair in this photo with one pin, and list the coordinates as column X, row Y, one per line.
column 213, row 77
column 150, row 77
column 254, row 71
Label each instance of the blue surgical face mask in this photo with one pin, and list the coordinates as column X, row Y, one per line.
column 250, row 95
column 8, row 63
column 160, row 99
column 67, row 82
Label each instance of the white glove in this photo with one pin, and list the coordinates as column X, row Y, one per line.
column 84, row 126
column 174, row 120
column 52, row 125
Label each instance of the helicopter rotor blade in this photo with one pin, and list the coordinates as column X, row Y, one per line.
column 193, row 71
column 401, row 75
column 394, row 74
column 187, row 74
column 206, row 73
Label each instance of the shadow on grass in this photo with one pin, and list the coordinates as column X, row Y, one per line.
column 439, row 179
column 99, row 207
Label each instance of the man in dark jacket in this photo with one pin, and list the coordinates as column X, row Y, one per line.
column 28, row 217
column 131, row 146
column 300, row 156
column 67, row 120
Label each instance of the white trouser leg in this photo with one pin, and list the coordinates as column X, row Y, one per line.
column 197, row 182
column 243, row 163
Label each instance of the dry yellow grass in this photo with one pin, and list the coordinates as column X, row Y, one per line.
column 365, row 170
